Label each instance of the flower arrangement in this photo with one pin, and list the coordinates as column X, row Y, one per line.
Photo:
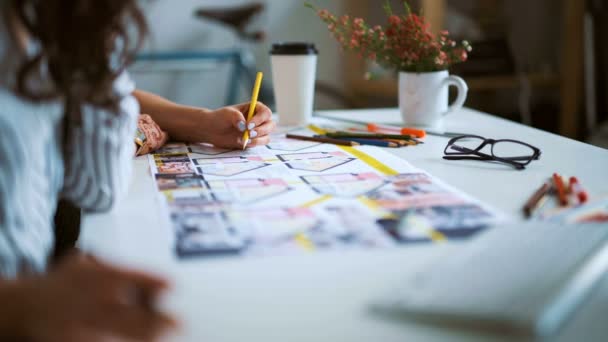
column 406, row 43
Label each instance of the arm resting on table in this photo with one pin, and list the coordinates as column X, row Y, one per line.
column 175, row 119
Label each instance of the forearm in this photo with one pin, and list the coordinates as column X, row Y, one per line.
column 173, row 118
column 12, row 310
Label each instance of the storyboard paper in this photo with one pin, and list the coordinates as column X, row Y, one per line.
column 297, row 196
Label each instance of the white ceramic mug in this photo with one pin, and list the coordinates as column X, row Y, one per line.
column 423, row 97
column 294, row 68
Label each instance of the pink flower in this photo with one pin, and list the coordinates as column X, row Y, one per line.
column 405, row 42
column 323, row 14
column 463, row 56
column 394, row 20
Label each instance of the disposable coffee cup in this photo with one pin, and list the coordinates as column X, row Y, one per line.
column 294, row 69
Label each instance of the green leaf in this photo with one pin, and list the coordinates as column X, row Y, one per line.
column 408, row 9
column 388, row 8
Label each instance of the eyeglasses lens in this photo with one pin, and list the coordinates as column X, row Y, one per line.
column 512, row 150
column 465, row 145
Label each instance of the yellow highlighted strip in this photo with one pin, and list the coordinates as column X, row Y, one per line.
column 317, row 129
column 371, row 161
column 364, row 157
column 437, row 236
column 375, row 207
column 169, row 196
column 303, row 241
column 369, row 203
column 316, row 201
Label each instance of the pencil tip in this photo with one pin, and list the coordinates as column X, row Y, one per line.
column 245, row 143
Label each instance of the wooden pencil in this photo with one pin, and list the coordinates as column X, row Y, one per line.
column 369, row 136
column 321, row 139
column 408, row 142
column 401, row 143
column 535, row 200
column 372, row 142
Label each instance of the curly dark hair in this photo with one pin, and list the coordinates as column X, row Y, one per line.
column 84, row 45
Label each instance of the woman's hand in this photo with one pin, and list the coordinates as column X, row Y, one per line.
column 84, row 300
column 224, row 127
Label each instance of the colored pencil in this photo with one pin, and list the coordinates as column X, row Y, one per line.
column 323, row 140
column 418, row 133
column 340, row 134
column 408, row 142
column 401, row 143
column 371, row 142
column 252, row 105
column 359, row 122
column 558, row 182
column 405, row 142
column 536, row 199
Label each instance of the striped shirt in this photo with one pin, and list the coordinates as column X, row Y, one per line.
column 34, row 173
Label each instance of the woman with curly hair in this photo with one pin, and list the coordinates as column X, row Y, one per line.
column 68, row 112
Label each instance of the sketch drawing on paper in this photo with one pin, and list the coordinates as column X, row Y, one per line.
column 228, row 166
column 345, row 184
column 315, row 161
column 247, row 190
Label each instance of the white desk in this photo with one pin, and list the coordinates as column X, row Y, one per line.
column 324, row 296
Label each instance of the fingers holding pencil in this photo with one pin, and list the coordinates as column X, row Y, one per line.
column 252, row 109
column 259, row 127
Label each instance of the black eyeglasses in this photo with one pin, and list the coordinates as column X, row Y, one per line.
column 468, row 147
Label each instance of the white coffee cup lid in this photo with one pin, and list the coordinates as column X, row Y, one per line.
column 293, row 48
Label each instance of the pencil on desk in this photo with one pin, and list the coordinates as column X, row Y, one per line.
column 371, row 142
column 401, row 143
column 323, row 140
column 536, row 199
column 252, row 105
column 340, row 134
column 418, row 133
column 560, row 187
column 405, row 142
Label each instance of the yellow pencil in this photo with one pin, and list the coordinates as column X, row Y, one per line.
column 252, row 105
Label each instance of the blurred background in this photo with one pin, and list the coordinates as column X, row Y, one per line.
column 540, row 62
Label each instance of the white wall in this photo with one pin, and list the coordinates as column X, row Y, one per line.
column 174, row 27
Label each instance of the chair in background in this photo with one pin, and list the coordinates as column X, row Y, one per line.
column 240, row 58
